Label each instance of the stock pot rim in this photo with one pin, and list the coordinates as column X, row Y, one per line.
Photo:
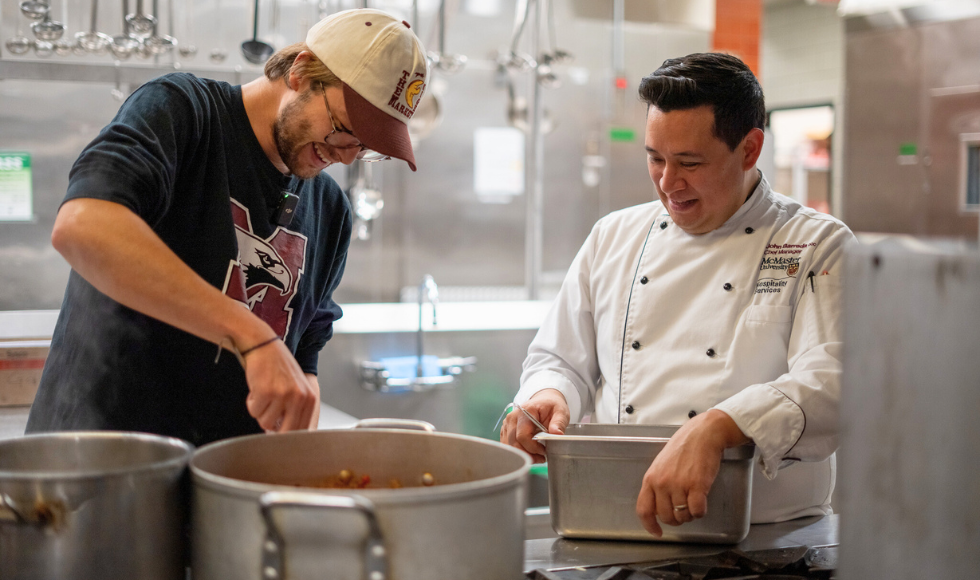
column 163, row 465
column 250, row 489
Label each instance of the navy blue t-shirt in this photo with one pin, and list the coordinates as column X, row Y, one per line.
column 181, row 154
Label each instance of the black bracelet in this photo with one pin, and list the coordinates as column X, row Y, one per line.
column 259, row 345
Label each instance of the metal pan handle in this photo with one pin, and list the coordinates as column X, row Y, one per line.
column 410, row 424
column 274, row 547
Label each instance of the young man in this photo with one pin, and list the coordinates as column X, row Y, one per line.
column 200, row 219
column 715, row 308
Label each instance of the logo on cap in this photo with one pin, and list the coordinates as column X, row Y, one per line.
column 412, row 91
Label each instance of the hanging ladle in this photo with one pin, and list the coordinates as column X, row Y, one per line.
column 123, row 45
column 19, row 44
column 34, row 9
column 92, row 41
column 139, row 23
column 255, row 51
column 156, row 44
column 48, row 29
column 447, row 63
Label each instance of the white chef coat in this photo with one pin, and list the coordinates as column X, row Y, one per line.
column 653, row 325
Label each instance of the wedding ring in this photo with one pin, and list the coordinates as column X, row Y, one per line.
column 680, row 508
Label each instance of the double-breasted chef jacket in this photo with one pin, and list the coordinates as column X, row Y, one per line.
column 653, row 325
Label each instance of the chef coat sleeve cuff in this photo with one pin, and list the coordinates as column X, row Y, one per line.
column 542, row 380
column 771, row 419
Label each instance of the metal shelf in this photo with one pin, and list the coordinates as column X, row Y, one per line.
column 115, row 72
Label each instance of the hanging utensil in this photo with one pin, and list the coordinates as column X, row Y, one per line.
column 43, row 48
column 34, row 9
column 218, row 54
column 62, row 46
column 141, row 24
column 93, row 41
column 156, row 44
column 255, row 51
column 48, row 29
column 125, row 44
column 447, row 63
column 19, row 44
column 117, row 92
column 187, row 49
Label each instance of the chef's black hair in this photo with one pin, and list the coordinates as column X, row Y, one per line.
column 720, row 80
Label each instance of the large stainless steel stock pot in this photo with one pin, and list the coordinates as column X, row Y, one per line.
column 93, row 505
column 261, row 511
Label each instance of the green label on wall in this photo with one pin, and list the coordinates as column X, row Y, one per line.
column 16, row 191
column 908, row 149
column 622, row 134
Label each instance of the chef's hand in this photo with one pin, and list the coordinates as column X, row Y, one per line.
column 281, row 397
column 675, row 488
column 547, row 406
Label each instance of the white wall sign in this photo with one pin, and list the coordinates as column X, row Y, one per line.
column 498, row 161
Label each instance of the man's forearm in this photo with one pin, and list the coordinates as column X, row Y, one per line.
column 118, row 253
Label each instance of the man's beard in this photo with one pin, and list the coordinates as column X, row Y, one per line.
column 290, row 133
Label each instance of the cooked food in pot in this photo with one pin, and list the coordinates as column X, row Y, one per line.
column 348, row 479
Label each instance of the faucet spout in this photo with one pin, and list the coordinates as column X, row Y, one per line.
column 428, row 289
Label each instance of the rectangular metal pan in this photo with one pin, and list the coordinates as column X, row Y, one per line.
column 594, row 476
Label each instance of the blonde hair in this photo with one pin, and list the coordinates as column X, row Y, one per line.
column 284, row 61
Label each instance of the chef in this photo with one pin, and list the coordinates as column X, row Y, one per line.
column 200, row 222
column 715, row 308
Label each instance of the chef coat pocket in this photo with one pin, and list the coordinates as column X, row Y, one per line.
column 769, row 314
column 760, row 346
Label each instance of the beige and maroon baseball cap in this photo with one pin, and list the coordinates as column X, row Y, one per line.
column 383, row 67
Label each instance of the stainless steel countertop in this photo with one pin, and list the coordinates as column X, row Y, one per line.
column 559, row 553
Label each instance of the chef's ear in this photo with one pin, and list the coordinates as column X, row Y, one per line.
column 295, row 77
column 751, row 148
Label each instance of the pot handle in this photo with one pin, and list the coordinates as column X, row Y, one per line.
column 410, row 424
column 274, row 547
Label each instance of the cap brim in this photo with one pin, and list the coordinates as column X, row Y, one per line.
column 376, row 129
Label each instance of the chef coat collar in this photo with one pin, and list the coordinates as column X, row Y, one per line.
column 755, row 205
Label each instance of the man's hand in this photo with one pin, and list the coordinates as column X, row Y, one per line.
column 547, row 406
column 281, row 397
column 315, row 385
column 675, row 488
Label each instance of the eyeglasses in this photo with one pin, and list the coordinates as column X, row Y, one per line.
column 344, row 139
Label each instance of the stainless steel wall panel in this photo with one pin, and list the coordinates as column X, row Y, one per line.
column 897, row 92
column 883, row 74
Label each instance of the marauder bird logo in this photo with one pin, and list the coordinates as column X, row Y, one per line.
column 261, row 263
column 266, row 272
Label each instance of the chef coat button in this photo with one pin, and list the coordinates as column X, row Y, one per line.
column 711, row 352
column 691, row 414
column 636, row 345
column 728, row 287
column 663, row 225
column 629, row 409
column 644, row 280
column 749, row 230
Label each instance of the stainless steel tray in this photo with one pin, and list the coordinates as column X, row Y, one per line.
column 594, row 476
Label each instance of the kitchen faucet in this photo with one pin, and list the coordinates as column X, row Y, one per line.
column 426, row 288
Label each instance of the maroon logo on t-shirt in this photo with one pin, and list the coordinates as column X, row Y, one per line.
column 266, row 273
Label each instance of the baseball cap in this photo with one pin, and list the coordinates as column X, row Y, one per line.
column 384, row 72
